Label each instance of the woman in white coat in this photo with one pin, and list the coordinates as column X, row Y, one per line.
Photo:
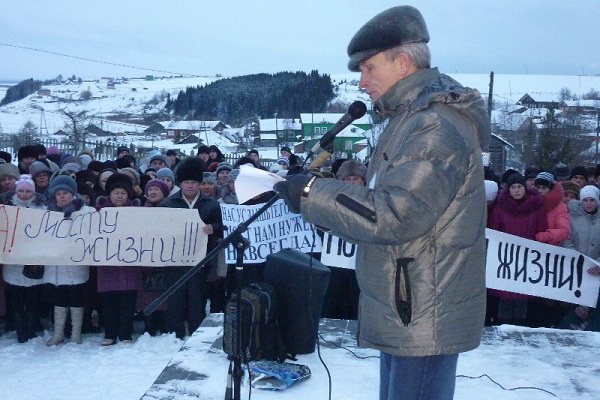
column 23, row 282
column 68, row 279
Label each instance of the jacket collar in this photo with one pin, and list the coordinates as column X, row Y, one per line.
column 405, row 91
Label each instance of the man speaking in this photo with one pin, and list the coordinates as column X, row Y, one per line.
column 419, row 223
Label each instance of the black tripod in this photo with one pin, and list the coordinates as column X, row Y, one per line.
column 240, row 244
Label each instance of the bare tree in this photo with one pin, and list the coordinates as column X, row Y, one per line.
column 76, row 124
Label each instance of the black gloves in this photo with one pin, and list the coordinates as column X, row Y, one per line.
column 291, row 189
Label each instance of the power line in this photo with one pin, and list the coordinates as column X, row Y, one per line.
column 92, row 60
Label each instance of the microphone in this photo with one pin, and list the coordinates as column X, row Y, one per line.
column 355, row 111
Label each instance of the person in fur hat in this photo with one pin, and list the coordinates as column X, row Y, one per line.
column 26, row 155
column 190, row 174
column 579, row 175
column 352, row 171
column 571, row 191
column 118, row 284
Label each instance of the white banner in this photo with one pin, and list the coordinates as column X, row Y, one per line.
column 338, row 253
column 277, row 228
column 525, row 266
column 142, row 236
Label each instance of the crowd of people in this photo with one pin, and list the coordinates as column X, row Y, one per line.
column 69, row 297
column 557, row 207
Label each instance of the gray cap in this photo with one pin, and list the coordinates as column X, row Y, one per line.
column 393, row 27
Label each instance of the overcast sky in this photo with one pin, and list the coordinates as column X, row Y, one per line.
column 241, row 37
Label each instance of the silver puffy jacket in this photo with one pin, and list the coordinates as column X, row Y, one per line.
column 420, row 224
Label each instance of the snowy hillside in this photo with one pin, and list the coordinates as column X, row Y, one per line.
column 135, row 98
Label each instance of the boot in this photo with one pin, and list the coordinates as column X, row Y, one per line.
column 20, row 326
column 76, row 322
column 60, row 317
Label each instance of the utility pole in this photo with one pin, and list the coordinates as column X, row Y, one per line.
column 597, row 132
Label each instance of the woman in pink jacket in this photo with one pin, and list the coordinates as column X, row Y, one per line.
column 544, row 312
column 557, row 213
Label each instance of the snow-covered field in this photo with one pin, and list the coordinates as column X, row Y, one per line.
column 135, row 95
column 512, row 363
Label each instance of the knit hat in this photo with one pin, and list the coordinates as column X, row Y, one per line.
column 63, row 182
column 123, row 162
column 162, row 157
column 161, row 173
column 560, row 171
column 4, row 155
column 68, row 158
column 52, row 150
column 393, row 27
column 83, row 188
column 571, row 187
column 491, row 190
column 119, row 181
column 233, row 175
column 532, row 172
column 589, row 191
column 122, row 148
column 545, row 179
column 352, row 167
column 253, row 151
column 203, row 149
column 286, row 148
column 71, row 167
column 85, row 160
column 191, row 169
column 38, row 167
column 159, row 184
column 132, row 174
column 209, row 177
column 8, row 169
column 283, row 160
column 171, row 152
column 578, row 170
column 25, row 182
column 514, row 179
column 86, row 175
column 96, row 166
column 507, row 174
column 224, row 166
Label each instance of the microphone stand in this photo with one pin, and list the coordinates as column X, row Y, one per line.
column 240, row 243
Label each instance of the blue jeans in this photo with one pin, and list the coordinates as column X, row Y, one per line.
column 417, row 378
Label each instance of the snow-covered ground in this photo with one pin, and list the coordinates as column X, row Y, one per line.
column 512, row 363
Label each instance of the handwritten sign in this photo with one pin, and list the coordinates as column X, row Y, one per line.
column 274, row 230
column 112, row 236
column 337, row 252
column 524, row 266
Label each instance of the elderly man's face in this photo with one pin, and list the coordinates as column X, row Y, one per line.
column 378, row 73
